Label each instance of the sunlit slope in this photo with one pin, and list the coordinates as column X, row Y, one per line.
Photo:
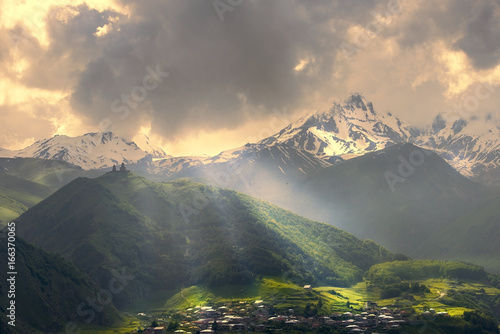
column 51, row 173
column 48, row 292
column 398, row 197
column 17, row 195
column 448, row 286
column 406, row 285
column 24, row 182
column 181, row 233
column 473, row 237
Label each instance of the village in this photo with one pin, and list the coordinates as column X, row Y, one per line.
column 260, row 316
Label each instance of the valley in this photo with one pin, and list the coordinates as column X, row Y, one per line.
column 250, row 166
column 186, row 245
column 426, row 305
column 340, row 200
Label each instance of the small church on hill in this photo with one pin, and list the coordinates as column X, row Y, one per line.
column 122, row 168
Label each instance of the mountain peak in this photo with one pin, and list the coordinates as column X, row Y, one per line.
column 351, row 127
column 94, row 150
column 356, row 107
column 348, row 129
column 458, row 125
column 357, row 101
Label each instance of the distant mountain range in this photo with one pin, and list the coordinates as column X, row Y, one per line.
column 347, row 130
column 90, row 151
column 305, row 146
column 471, row 146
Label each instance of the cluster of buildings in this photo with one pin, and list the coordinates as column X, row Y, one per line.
column 122, row 169
column 257, row 317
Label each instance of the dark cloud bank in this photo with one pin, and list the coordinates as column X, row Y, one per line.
column 223, row 72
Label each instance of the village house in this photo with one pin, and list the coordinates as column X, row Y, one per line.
column 207, row 331
column 155, row 330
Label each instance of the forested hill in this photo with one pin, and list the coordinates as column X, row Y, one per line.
column 181, row 232
column 48, row 291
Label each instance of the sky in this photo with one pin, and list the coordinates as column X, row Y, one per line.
column 202, row 76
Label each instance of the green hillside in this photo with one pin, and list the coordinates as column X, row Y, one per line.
column 473, row 237
column 51, row 173
column 456, row 286
column 184, row 233
column 367, row 196
column 24, row 182
column 48, row 292
column 395, row 272
column 17, row 195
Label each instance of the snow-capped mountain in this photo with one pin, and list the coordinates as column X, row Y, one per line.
column 349, row 129
column 320, row 139
column 471, row 146
column 302, row 148
column 168, row 166
column 6, row 153
column 310, row 143
column 90, row 151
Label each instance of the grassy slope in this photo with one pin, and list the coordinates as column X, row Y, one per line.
column 51, row 173
column 24, row 182
column 92, row 228
column 17, row 195
column 284, row 295
column 454, row 286
column 472, row 237
column 439, row 276
column 10, row 209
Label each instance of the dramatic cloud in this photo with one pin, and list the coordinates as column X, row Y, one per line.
column 198, row 71
column 481, row 41
column 220, row 73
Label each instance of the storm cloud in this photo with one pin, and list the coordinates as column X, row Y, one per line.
column 182, row 67
column 481, row 41
column 220, row 72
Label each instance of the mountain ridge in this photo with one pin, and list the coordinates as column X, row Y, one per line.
column 399, row 212
column 94, row 150
column 348, row 129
